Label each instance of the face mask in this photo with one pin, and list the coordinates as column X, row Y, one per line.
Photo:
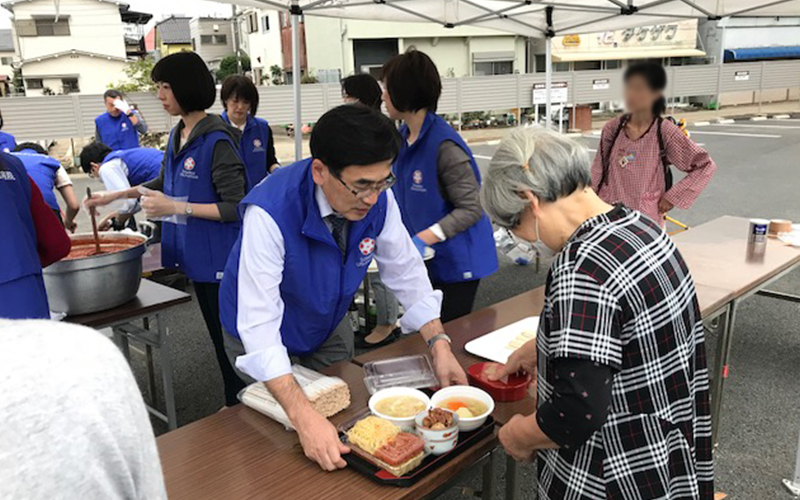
column 543, row 250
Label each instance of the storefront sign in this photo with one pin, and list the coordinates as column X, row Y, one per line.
column 601, row 84
column 741, row 76
column 558, row 91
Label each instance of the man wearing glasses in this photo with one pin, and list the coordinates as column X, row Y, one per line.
column 310, row 231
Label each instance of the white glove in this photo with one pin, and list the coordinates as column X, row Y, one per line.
column 123, row 106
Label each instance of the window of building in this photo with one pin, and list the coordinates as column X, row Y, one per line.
column 493, row 68
column 557, row 66
column 265, row 24
column 51, row 27
column 70, row 85
column 252, row 22
column 587, row 65
column 34, row 83
column 214, row 39
column 6, row 61
column 613, row 64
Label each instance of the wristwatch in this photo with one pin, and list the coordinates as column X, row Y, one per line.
column 438, row 337
column 188, row 210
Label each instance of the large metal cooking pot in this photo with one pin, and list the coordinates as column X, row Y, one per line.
column 98, row 282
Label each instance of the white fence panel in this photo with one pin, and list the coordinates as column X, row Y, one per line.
column 35, row 118
column 690, row 81
column 482, row 93
column 781, row 75
column 448, row 102
column 588, row 86
column 738, row 77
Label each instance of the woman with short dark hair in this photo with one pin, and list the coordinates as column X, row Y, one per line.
column 257, row 147
column 197, row 191
column 632, row 165
column 438, row 184
column 362, row 88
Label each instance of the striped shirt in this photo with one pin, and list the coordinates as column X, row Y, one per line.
column 619, row 294
column 636, row 175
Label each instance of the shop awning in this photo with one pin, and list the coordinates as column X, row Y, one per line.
column 628, row 54
column 759, row 53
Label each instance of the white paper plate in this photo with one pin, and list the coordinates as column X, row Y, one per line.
column 494, row 346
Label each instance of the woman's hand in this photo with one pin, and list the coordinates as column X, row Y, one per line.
column 157, row 204
column 428, row 237
column 512, row 437
column 664, row 205
column 523, row 359
column 101, row 199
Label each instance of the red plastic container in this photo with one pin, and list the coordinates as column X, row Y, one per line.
column 512, row 388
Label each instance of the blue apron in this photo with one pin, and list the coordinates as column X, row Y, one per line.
column 116, row 133
column 318, row 283
column 143, row 163
column 467, row 256
column 253, row 148
column 21, row 285
column 7, row 142
column 200, row 247
column 42, row 169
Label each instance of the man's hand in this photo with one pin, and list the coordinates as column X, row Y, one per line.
column 664, row 205
column 512, row 437
column 523, row 359
column 157, row 204
column 320, row 440
column 104, row 224
column 447, row 368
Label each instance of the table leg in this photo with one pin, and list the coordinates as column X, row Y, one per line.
column 793, row 485
column 724, row 343
column 166, row 374
column 512, row 477
column 151, row 374
column 489, row 483
column 124, row 344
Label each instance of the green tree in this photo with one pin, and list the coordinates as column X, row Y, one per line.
column 138, row 73
column 228, row 66
column 277, row 74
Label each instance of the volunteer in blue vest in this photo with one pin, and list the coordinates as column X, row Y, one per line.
column 438, row 184
column 310, row 231
column 45, row 171
column 257, row 148
column 32, row 238
column 196, row 193
column 7, row 141
column 120, row 170
column 119, row 127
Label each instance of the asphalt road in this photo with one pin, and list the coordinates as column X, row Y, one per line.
column 758, row 176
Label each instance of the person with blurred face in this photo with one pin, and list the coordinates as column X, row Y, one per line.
column 438, row 184
column 310, row 232
column 364, row 89
column 632, row 165
column 257, row 147
column 619, row 358
column 196, row 192
column 119, row 127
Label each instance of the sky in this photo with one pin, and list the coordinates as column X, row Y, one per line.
column 160, row 9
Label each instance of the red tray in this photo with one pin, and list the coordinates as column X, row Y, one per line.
column 513, row 389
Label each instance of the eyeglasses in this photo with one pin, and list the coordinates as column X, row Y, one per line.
column 378, row 187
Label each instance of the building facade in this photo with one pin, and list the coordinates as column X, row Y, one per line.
column 212, row 39
column 79, row 48
column 172, row 35
column 260, row 39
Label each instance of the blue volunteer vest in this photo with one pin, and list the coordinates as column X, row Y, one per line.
column 143, row 163
column 42, row 169
column 318, row 284
column 7, row 142
column 253, row 148
column 469, row 255
column 200, row 247
column 117, row 133
column 21, row 282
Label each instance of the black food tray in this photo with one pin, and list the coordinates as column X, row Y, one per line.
column 429, row 464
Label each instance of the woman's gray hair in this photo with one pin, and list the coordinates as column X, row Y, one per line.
column 534, row 159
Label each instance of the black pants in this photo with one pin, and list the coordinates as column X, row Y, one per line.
column 458, row 298
column 208, row 299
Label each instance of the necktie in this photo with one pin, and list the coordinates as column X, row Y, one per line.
column 338, row 230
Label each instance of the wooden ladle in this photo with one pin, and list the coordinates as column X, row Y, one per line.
column 94, row 224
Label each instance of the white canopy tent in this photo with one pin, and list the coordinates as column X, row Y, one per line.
column 530, row 18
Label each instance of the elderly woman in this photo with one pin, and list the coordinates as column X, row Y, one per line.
column 622, row 407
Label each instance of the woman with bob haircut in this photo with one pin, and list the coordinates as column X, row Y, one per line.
column 619, row 358
column 257, row 147
column 196, row 193
column 438, row 184
column 632, row 165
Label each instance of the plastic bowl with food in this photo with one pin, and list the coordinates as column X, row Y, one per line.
column 472, row 405
column 399, row 405
column 438, row 428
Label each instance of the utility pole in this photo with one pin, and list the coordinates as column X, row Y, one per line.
column 236, row 46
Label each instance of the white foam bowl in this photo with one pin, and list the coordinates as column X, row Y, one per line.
column 466, row 391
column 405, row 423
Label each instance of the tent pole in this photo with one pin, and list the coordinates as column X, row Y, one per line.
column 548, row 81
column 296, row 77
